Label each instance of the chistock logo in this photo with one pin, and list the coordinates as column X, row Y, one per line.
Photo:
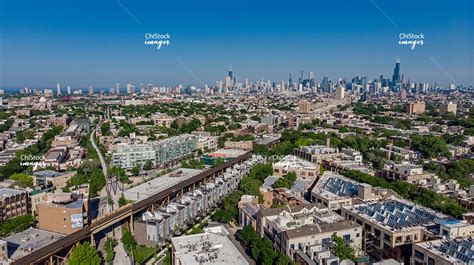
column 411, row 39
column 30, row 160
column 157, row 39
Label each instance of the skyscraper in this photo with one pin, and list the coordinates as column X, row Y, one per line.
column 58, row 89
column 396, row 73
column 325, row 84
column 69, row 90
column 230, row 73
column 117, row 88
column 130, row 89
column 290, row 80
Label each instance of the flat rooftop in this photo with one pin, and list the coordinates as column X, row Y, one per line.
column 207, row 248
column 159, row 184
column 291, row 161
column 398, row 214
column 227, row 153
column 332, row 186
column 7, row 192
column 28, row 241
column 456, row 251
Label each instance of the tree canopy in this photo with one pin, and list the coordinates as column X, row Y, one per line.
column 84, row 254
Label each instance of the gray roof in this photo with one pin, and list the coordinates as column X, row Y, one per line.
column 7, row 192
column 23, row 243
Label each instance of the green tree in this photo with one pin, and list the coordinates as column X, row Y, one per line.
column 16, row 225
column 341, row 249
column 135, row 171
column 118, row 172
column 430, row 146
column 286, row 181
column 23, row 180
column 105, row 129
column 261, row 149
column 122, row 201
column 84, row 254
column 109, row 250
column 128, row 241
column 148, row 165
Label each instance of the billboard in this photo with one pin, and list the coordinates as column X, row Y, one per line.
column 76, row 220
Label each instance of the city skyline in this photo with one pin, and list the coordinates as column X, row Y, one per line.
column 81, row 45
column 295, row 78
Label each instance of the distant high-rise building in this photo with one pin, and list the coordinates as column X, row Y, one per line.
column 290, row 80
column 396, row 73
column 415, row 107
column 402, row 94
column 340, row 92
column 117, row 88
column 304, row 106
column 69, row 90
column 325, row 84
column 58, row 89
column 130, row 89
column 91, row 91
column 447, row 107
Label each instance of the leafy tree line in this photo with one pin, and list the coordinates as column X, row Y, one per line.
column 430, row 146
column 16, row 225
column 425, row 197
column 261, row 249
column 459, row 170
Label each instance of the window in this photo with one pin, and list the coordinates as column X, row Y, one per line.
column 347, row 237
column 377, row 233
column 368, row 227
column 431, row 261
column 387, row 237
column 419, row 255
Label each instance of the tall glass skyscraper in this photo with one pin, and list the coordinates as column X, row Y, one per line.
column 396, row 73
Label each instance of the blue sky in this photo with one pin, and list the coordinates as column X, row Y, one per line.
column 98, row 43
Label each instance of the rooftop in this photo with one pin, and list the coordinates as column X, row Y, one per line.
column 291, row 161
column 30, row 240
column 227, row 153
column 456, row 251
column 322, row 228
column 7, row 192
column 48, row 173
column 161, row 183
column 208, row 248
column 397, row 214
column 333, row 186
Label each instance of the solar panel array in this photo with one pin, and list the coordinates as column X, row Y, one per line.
column 339, row 186
column 397, row 214
column 461, row 249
